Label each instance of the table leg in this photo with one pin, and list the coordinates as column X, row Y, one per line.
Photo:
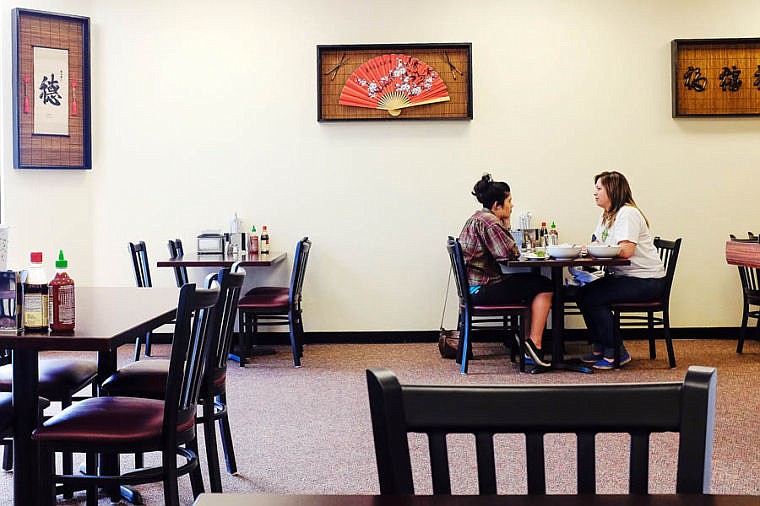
column 558, row 325
column 26, row 488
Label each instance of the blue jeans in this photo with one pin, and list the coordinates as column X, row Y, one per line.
column 596, row 298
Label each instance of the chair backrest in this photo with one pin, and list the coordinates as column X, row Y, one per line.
column 299, row 271
column 458, row 269
column 175, row 251
column 641, row 409
column 668, row 251
column 140, row 264
column 230, row 283
column 190, row 347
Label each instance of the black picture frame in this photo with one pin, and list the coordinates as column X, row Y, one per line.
column 32, row 28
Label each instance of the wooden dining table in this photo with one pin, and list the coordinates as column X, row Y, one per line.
column 557, row 266
column 270, row 259
column 106, row 318
column 476, row 500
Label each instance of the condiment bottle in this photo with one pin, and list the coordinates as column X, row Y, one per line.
column 253, row 242
column 553, row 235
column 264, row 242
column 61, row 297
column 36, row 296
column 543, row 235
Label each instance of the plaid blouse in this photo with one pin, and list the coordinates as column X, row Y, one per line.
column 485, row 242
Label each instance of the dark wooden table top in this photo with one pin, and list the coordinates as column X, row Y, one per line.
column 246, row 260
column 482, row 500
column 568, row 262
column 105, row 318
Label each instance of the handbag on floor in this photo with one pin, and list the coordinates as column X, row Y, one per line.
column 448, row 340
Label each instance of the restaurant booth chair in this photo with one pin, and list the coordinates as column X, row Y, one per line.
column 640, row 409
column 629, row 314
column 115, row 425
column 276, row 305
column 511, row 318
column 147, row 378
column 141, row 268
column 176, row 250
column 750, row 279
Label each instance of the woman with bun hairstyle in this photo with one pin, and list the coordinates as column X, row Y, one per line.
column 621, row 224
column 486, row 241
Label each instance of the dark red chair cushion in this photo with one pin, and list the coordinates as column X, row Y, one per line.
column 58, row 377
column 144, row 378
column 147, row 378
column 6, row 409
column 110, row 421
column 269, row 290
column 265, row 301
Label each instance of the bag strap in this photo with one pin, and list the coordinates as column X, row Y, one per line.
column 446, row 298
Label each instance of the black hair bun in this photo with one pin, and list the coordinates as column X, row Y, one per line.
column 482, row 186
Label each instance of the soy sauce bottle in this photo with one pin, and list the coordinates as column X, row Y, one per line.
column 36, row 296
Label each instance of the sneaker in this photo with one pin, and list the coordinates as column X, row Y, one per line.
column 608, row 363
column 591, row 358
column 536, row 354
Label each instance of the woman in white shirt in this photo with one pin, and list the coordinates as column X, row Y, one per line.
column 623, row 224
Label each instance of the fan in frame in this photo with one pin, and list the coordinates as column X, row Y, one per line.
column 392, row 82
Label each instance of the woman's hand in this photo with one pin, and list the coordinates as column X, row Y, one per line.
column 584, row 248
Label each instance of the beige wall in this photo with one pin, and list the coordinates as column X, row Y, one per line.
column 203, row 109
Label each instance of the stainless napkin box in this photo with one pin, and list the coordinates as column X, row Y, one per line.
column 210, row 244
column 11, row 302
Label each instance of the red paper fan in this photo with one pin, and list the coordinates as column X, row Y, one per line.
column 393, row 81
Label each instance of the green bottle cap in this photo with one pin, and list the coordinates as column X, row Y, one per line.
column 553, row 225
column 61, row 263
column 253, row 228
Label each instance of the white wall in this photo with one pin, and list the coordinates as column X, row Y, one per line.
column 203, row 109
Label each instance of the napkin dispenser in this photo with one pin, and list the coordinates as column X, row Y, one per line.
column 210, row 244
column 11, row 302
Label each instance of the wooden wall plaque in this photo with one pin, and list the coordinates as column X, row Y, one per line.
column 452, row 62
column 716, row 77
column 51, row 110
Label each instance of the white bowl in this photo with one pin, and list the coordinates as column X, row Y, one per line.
column 563, row 251
column 603, row 251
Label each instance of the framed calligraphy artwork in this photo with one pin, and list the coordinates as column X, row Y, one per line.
column 394, row 82
column 716, row 77
column 51, row 91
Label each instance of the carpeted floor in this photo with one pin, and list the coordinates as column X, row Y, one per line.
column 307, row 430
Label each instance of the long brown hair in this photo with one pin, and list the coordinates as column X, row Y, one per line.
column 619, row 192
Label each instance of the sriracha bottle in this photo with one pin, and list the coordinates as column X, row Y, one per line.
column 61, row 297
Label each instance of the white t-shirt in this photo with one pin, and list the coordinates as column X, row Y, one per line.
column 630, row 225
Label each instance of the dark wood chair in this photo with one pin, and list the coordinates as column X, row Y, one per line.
column 147, row 378
column 276, row 305
column 629, row 314
column 60, row 378
column 141, row 268
column 511, row 318
column 114, row 425
column 750, row 279
column 640, row 409
column 175, row 251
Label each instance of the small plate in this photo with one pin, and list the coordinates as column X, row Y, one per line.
column 533, row 256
